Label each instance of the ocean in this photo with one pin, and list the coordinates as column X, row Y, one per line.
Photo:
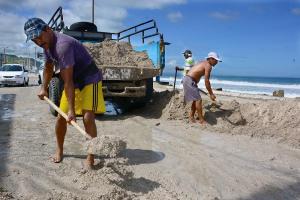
column 246, row 84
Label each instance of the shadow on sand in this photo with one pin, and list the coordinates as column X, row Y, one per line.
column 123, row 108
column 287, row 192
column 139, row 156
column 7, row 102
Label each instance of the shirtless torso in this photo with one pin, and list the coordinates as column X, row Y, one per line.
column 202, row 68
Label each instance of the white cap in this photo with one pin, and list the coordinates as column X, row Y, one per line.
column 214, row 55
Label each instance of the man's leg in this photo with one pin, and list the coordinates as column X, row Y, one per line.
column 192, row 113
column 60, row 131
column 91, row 129
column 199, row 111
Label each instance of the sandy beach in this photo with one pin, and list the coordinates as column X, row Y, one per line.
column 249, row 149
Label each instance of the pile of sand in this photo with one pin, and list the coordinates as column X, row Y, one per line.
column 117, row 54
column 105, row 145
column 265, row 118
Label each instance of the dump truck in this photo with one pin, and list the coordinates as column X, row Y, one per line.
column 130, row 83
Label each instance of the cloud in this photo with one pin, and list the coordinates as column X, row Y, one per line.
column 109, row 16
column 224, row 16
column 175, row 16
column 295, row 11
column 171, row 62
column 145, row 4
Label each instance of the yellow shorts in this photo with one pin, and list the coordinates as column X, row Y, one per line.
column 89, row 98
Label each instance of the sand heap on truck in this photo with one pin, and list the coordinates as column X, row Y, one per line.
column 118, row 54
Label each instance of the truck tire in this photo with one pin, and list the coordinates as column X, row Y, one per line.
column 54, row 93
column 83, row 27
column 149, row 89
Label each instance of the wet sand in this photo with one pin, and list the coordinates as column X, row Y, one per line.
column 166, row 157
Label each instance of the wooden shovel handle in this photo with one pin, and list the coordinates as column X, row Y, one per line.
column 66, row 117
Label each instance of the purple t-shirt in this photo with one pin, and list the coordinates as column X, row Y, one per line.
column 69, row 52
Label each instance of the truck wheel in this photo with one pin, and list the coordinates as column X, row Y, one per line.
column 83, row 26
column 149, row 89
column 54, row 93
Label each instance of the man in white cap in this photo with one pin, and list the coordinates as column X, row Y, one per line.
column 190, row 88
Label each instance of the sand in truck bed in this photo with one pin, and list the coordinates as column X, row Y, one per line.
column 117, row 54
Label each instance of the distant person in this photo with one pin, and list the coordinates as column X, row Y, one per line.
column 188, row 62
column 190, row 88
column 82, row 80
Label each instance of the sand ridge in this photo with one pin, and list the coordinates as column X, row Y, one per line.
column 264, row 118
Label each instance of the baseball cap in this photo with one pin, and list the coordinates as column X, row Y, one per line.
column 213, row 55
column 187, row 53
column 33, row 28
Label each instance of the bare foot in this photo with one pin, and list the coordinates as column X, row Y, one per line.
column 57, row 158
column 202, row 122
column 192, row 119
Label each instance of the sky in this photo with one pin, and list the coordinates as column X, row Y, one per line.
column 252, row 37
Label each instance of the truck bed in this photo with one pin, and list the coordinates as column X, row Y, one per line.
column 128, row 73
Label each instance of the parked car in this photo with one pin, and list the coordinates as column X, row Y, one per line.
column 13, row 74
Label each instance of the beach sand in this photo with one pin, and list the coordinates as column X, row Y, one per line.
column 248, row 150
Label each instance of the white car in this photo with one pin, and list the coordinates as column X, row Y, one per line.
column 13, row 74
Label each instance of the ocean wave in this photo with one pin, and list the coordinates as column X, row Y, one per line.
column 251, row 84
column 241, row 83
column 290, row 90
column 289, row 95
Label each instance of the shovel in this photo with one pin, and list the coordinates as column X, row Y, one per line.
column 214, row 104
column 66, row 117
column 105, row 145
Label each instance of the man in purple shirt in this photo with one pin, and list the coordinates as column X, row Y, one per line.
column 80, row 75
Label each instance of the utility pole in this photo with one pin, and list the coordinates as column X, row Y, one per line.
column 4, row 57
column 93, row 8
column 35, row 59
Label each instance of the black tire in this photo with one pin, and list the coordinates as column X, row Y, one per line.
column 55, row 89
column 83, row 27
column 149, row 89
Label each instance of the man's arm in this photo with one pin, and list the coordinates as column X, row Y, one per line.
column 67, row 76
column 179, row 68
column 47, row 75
column 207, row 82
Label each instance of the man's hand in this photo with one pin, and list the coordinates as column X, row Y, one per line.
column 212, row 97
column 178, row 68
column 71, row 116
column 42, row 93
